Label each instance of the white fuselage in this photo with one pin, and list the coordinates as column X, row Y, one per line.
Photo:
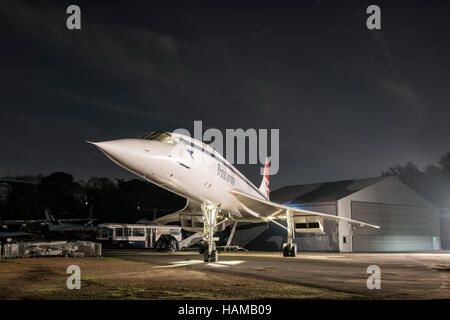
column 186, row 167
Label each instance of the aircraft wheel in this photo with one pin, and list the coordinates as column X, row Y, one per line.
column 173, row 245
column 289, row 250
column 214, row 256
column 286, row 250
column 293, row 250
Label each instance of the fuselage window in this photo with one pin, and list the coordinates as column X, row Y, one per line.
column 119, row 232
column 138, row 232
column 106, row 232
column 174, row 232
column 160, row 136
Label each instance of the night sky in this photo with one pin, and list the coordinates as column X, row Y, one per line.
column 349, row 102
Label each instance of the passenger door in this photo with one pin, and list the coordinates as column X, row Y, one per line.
column 148, row 238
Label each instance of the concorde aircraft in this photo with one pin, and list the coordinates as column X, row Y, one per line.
column 217, row 193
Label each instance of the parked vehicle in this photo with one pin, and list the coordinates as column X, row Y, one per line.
column 162, row 237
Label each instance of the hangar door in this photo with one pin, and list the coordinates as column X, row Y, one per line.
column 403, row 228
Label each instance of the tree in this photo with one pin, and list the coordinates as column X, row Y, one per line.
column 60, row 193
column 408, row 174
column 102, row 195
column 432, row 182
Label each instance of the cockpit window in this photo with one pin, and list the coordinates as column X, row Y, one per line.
column 160, row 136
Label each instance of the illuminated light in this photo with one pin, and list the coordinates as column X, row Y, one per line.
column 185, row 263
column 293, row 205
column 233, row 263
column 214, row 264
column 86, row 203
column 211, row 264
column 169, row 266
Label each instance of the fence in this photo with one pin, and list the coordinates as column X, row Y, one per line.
column 52, row 249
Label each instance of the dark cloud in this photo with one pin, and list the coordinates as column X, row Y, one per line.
column 349, row 102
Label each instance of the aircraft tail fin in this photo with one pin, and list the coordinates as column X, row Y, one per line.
column 48, row 216
column 264, row 188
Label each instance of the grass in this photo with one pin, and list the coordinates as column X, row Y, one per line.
column 116, row 279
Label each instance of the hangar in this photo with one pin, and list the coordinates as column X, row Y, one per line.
column 408, row 221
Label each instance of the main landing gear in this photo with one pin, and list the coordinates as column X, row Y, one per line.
column 209, row 223
column 290, row 248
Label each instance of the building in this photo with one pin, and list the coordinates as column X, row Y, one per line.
column 444, row 222
column 408, row 221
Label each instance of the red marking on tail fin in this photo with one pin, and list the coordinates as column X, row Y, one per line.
column 266, row 169
column 264, row 188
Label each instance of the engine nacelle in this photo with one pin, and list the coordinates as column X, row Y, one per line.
column 308, row 224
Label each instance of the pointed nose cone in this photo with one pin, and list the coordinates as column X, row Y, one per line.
column 126, row 153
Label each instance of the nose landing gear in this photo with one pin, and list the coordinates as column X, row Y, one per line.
column 209, row 223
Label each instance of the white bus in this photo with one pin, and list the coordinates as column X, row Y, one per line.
column 139, row 235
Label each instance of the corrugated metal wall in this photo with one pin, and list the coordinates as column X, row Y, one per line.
column 445, row 233
column 403, row 228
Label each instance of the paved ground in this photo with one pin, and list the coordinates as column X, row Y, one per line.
column 403, row 275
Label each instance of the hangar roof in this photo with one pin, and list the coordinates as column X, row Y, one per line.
column 321, row 192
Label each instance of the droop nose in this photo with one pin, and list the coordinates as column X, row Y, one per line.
column 127, row 153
